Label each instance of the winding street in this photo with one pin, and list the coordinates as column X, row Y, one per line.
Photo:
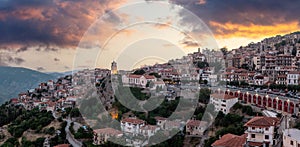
column 74, row 142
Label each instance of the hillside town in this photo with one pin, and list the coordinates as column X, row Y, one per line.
column 262, row 78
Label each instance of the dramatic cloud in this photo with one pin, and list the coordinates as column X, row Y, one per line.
column 234, row 16
column 228, row 30
column 48, row 22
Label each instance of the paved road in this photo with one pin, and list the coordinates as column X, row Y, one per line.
column 69, row 136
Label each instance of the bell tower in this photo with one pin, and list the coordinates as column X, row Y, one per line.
column 114, row 68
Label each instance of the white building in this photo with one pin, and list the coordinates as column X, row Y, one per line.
column 137, row 80
column 223, row 102
column 261, row 131
column 149, row 130
column 260, row 80
column 159, row 84
column 132, row 125
column 291, row 138
column 293, row 78
column 102, row 135
column 195, row 127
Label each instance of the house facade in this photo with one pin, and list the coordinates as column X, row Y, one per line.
column 102, row 135
column 132, row 125
column 261, row 131
column 137, row 80
column 223, row 102
column 291, row 138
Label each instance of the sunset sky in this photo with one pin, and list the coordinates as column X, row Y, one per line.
column 60, row 35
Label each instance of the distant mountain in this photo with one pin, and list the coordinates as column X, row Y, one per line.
column 61, row 74
column 14, row 80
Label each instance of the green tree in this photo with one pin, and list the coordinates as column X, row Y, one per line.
column 204, row 95
column 224, row 50
column 155, row 74
column 201, row 64
column 139, row 72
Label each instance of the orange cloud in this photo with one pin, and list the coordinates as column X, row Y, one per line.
column 201, row 2
column 253, row 31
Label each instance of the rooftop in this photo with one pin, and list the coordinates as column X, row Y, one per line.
column 222, row 96
column 196, row 123
column 293, row 133
column 109, row 131
column 230, row 140
column 133, row 120
column 262, row 121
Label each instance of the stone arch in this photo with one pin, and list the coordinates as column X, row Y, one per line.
column 226, row 92
column 236, row 94
column 274, row 103
column 264, row 101
column 259, row 100
column 254, row 99
column 249, row 98
column 269, row 102
column 241, row 96
column 280, row 105
column 245, row 97
column 292, row 107
column 285, row 106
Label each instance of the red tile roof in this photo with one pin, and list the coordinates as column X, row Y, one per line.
column 294, row 72
column 149, row 77
column 196, row 123
column 230, row 140
column 133, row 120
column 134, row 76
column 222, row 96
column 14, row 100
column 262, row 121
column 281, row 76
column 255, row 143
column 149, row 127
column 62, row 145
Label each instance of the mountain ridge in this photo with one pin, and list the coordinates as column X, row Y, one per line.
column 14, row 80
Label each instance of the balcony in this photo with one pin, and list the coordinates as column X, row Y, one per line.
column 255, row 131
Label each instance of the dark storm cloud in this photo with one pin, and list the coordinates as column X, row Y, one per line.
column 48, row 22
column 259, row 12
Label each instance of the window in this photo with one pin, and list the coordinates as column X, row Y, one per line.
column 292, row 142
column 267, row 129
column 252, row 135
column 253, row 128
column 266, row 136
